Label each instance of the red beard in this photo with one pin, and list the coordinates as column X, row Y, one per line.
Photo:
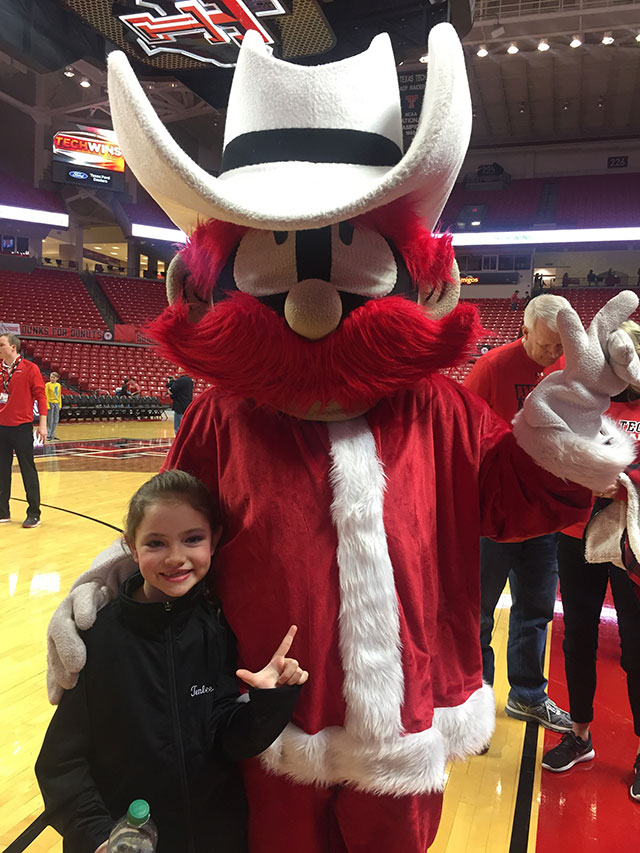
column 247, row 350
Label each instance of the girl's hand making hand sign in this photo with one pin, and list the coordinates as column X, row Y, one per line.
column 280, row 670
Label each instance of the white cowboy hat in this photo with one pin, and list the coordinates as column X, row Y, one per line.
column 306, row 146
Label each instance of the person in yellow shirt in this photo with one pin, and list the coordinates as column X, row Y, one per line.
column 53, row 392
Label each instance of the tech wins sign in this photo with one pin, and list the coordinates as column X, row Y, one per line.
column 208, row 32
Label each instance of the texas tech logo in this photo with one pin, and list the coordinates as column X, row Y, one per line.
column 208, row 32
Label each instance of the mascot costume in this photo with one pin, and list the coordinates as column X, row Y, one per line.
column 354, row 479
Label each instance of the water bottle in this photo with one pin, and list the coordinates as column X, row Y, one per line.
column 135, row 832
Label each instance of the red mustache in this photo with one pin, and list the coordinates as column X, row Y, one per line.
column 245, row 349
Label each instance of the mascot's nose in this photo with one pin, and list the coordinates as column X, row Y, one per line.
column 313, row 308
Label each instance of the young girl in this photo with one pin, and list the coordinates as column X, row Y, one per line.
column 156, row 712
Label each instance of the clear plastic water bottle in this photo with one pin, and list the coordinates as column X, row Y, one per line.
column 135, row 832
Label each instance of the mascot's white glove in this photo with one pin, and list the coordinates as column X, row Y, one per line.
column 561, row 424
column 623, row 358
column 66, row 653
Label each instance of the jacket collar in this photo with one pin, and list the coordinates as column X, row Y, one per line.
column 153, row 617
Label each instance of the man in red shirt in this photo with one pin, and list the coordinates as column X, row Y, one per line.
column 21, row 384
column 503, row 377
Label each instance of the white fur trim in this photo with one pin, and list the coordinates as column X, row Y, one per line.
column 400, row 765
column 595, row 463
column 373, row 686
column 372, row 752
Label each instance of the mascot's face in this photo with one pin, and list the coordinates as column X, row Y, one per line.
column 319, row 323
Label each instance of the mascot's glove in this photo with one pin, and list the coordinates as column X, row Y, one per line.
column 66, row 652
column 561, row 424
column 623, row 358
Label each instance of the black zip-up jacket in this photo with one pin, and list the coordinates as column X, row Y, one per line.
column 155, row 716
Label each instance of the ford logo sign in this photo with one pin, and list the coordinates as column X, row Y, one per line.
column 80, row 175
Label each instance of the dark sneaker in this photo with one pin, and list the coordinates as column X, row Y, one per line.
column 571, row 750
column 546, row 713
column 31, row 522
column 634, row 790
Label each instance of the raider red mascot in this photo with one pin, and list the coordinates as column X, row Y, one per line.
column 354, row 480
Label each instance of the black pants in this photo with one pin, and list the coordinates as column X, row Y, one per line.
column 20, row 439
column 583, row 587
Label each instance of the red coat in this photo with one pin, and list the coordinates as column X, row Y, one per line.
column 365, row 534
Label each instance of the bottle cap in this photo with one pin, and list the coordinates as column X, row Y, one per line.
column 138, row 813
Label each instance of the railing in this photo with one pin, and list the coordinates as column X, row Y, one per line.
column 504, row 9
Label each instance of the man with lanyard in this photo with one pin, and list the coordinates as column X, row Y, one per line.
column 21, row 385
column 503, row 377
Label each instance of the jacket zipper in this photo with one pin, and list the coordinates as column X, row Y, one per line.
column 175, row 716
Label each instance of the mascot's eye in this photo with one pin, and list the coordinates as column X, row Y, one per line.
column 362, row 262
column 265, row 263
column 345, row 230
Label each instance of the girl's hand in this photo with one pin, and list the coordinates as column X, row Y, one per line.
column 280, row 670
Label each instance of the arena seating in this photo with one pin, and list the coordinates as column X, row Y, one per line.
column 593, row 201
column 588, row 301
column 47, row 297
column 102, row 367
column 135, row 300
column 506, row 209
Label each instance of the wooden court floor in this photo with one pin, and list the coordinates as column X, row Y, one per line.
column 492, row 802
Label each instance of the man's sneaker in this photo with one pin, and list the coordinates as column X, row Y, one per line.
column 546, row 713
column 31, row 522
column 571, row 750
column 5, row 519
column 634, row 790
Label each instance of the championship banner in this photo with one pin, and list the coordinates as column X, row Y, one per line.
column 411, row 85
column 31, row 330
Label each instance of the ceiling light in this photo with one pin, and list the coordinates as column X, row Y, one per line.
column 85, row 83
column 600, row 103
column 608, row 38
column 565, row 106
column 98, row 247
column 424, row 58
column 576, row 41
column 638, row 37
column 69, row 72
column 513, row 48
column 482, row 51
column 113, row 253
column 543, row 45
column 523, row 106
column 476, row 222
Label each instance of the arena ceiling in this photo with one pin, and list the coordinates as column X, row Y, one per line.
column 563, row 94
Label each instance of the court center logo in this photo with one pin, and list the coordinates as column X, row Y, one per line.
column 208, row 32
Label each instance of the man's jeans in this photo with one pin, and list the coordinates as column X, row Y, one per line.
column 532, row 569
